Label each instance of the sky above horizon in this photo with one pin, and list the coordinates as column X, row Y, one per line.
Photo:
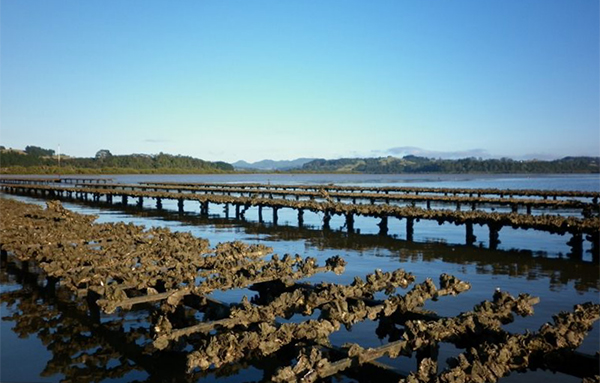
column 249, row 80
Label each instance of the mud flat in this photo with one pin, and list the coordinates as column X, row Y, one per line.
column 115, row 269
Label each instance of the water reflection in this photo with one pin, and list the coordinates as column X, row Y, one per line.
column 85, row 350
column 560, row 271
column 82, row 350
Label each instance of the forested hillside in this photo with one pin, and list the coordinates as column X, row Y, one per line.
column 38, row 160
column 414, row 164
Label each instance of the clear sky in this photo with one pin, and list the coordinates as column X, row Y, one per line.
column 229, row 80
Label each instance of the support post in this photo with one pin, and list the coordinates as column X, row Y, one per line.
column 275, row 215
column 383, row 225
column 326, row 220
column 51, row 284
column 300, row 217
column 260, row 215
column 180, row 205
column 158, row 203
column 3, row 257
column 410, row 229
column 93, row 307
column 494, row 235
column 595, row 241
column 470, row 237
column 428, row 205
column 237, row 211
column 350, row 222
column 140, row 202
column 124, row 199
column 528, row 209
column 576, row 243
column 226, row 210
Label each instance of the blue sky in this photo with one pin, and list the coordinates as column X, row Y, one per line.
column 229, row 80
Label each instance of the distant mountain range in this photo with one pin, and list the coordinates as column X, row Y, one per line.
column 272, row 165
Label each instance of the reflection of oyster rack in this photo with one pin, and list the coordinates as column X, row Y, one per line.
column 125, row 265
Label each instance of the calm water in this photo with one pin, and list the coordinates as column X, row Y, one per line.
column 46, row 340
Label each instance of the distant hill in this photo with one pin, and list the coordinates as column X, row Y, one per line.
column 272, row 165
column 414, row 164
column 38, row 160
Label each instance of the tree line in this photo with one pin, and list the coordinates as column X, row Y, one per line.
column 415, row 164
column 36, row 157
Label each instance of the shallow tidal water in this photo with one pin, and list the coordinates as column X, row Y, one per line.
column 44, row 340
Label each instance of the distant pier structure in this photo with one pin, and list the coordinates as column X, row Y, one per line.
column 558, row 212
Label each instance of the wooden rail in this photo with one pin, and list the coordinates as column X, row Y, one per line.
column 67, row 180
column 458, row 201
column 400, row 189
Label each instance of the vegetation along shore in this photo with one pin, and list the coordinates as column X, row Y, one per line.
column 36, row 160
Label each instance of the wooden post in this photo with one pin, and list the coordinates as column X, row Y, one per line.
column 326, row 219
column 226, row 210
column 300, row 217
column 3, row 256
column 576, row 243
column 595, row 241
column 275, row 215
column 350, row 222
column 515, row 208
column 93, row 307
column 51, row 284
column 243, row 212
column 158, row 203
column 428, row 205
column 237, row 211
column 260, row 214
column 410, row 228
column 458, row 206
column 470, row 237
column 383, row 225
column 204, row 208
column 180, row 205
column 528, row 209
column 124, row 199
column 140, row 202
column 494, row 235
